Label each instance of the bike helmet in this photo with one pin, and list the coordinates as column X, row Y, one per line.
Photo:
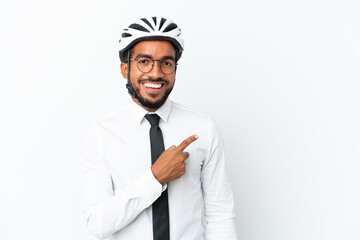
column 150, row 28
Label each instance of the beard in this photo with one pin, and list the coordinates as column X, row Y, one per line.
column 153, row 105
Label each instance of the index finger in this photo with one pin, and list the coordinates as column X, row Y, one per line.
column 187, row 142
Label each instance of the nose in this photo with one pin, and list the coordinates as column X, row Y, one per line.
column 156, row 71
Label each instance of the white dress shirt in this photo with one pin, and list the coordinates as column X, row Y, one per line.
column 119, row 186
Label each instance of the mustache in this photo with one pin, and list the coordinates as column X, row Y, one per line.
column 154, row 80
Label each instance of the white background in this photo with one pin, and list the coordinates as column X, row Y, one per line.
column 281, row 78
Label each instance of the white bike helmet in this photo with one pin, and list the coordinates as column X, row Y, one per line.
column 150, row 28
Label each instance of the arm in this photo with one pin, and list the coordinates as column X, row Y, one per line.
column 218, row 198
column 104, row 212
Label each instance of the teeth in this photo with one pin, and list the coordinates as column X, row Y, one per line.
column 153, row 85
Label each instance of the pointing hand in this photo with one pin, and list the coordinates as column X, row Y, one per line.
column 171, row 163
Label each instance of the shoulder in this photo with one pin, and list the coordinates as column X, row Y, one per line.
column 179, row 109
column 111, row 118
column 190, row 117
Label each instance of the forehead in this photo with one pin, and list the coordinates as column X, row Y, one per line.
column 155, row 49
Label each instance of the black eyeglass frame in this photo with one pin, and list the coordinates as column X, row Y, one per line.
column 152, row 67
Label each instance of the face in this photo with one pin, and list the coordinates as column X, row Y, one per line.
column 152, row 87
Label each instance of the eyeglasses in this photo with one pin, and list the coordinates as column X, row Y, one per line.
column 145, row 65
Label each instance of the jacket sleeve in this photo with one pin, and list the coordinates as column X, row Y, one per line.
column 219, row 210
column 104, row 212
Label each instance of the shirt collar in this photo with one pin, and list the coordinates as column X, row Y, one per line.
column 138, row 113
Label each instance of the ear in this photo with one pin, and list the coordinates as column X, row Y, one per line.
column 124, row 69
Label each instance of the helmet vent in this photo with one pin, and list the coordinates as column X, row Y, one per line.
column 154, row 19
column 147, row 22
column 170, row 27
column 125, row 35
column 138, row 27
column 163, row 20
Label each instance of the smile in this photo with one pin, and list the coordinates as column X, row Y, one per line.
column 153, row 87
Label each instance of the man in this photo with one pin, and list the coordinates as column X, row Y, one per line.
column 133, row 187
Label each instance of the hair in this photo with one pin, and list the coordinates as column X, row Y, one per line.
column 131, row 53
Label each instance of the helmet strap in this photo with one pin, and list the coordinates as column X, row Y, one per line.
column 129, row 86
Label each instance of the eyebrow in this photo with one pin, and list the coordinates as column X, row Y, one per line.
column 168, row 57
column 149, row 56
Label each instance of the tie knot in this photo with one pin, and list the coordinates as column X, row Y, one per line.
column 153, row 119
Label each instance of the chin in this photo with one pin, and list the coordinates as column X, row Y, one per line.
column 152, row 103
column 149, row 101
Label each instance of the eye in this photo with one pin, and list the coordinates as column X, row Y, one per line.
column 143, row 61
column 168, row 63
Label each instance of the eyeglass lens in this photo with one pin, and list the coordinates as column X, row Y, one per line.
column 146, row 65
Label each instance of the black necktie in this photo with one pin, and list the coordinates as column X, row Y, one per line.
column 160, row 207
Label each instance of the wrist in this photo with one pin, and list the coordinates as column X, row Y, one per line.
column 156, row 174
